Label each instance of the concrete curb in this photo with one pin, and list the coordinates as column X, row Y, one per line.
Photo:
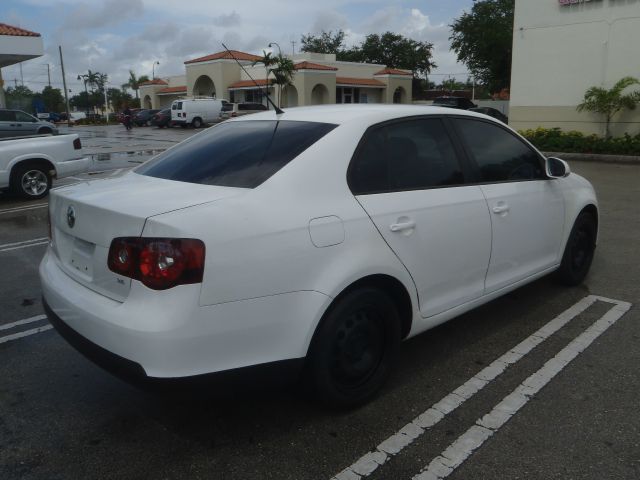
column 592, row 157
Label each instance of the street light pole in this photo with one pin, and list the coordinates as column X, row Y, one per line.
column 153, row 70
column 276, row 44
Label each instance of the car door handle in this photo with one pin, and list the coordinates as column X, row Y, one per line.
column 500, row 208
column 399, row 227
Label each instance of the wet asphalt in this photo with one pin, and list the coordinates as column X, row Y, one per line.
column 61, row 417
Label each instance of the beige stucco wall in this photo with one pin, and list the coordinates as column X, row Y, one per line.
column 222, row 72
column 306, row 81
column 393, row 82
column 561, row 51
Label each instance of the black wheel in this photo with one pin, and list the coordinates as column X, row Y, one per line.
column 578, row 254
column 45, row 131
column 31, row 181
column 197, row 123
column 352, row 351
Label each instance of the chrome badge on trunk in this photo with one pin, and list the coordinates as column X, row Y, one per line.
column 71, row 216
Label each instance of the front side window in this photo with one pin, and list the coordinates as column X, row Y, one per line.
column 236, row 154
column 409, row 155
column 500, row 155
column 24, row 117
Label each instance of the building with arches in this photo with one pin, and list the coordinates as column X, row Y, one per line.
column 319, row 79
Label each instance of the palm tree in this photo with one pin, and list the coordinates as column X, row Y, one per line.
column 609, row 102
column 282, row 69
column 134, row 82
column 283, row 73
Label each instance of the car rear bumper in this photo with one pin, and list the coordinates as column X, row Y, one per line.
column 72, row 167
column 168, row 335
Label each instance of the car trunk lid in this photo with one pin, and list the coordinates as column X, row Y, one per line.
column 86, row 217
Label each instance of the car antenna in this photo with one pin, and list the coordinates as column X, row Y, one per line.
column 279, row 111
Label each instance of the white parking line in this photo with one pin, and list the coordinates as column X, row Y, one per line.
column 37, row 318
column 24, row 244
column 393, row 445
column 26, row 333
column 461, row 449
column 23, row 208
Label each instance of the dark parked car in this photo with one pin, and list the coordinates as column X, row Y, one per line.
column 143, row 117
column 162, row 118
column 454, row 102
column 492, row 112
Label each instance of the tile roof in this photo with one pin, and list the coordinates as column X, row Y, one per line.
column 155, row 81
column 393, row 71
column 180, row 89
column 371, row 82
column 226, row 55
column 15, row 31
column 312, row 66
column 250, row 83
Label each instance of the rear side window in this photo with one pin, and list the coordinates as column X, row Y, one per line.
column 500, row 155
column 7, row 116
column 409, row 155
column 236, row 154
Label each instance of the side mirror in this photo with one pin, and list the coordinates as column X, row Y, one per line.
column 557, row 168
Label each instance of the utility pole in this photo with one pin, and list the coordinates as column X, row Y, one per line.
column 64, row 83
column 21, row 77
column 293, row 47
column 49, row 75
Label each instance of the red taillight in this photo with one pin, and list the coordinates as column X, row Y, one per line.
column 159, row 263
column 77, row 144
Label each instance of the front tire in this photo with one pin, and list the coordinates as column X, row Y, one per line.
column 352, row 352
column 31, row 181
column 578, row 254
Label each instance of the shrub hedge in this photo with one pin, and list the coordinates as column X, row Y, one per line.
column 555, row 140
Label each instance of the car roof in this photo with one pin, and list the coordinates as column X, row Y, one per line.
column 369, row 113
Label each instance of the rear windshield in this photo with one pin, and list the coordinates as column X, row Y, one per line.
column 236, row 154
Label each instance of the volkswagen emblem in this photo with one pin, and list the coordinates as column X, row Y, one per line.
column 71, row 216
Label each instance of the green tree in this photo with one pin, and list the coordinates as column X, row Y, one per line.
column 609, row 102
column 394, row 51
column 118, row 98
column 282, row 69
column 19, row 97
column 482, row 39
column 53, row 99
column 134, row 82
column 80, row 101
column 390, row 49
column 325, row 42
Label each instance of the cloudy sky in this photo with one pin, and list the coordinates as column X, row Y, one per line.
column 113, row 36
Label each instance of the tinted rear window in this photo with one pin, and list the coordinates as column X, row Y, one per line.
column 236, row 154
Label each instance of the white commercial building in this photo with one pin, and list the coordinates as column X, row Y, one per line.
column 17, row 45
column 563, row 47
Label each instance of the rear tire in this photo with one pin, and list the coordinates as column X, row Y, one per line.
column 197, row 122
column 353, row 349
column 31, row 181
column 578, row 254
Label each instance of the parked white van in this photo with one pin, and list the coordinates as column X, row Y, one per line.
column 196, row 111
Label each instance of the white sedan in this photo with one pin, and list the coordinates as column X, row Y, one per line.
column 317, row 239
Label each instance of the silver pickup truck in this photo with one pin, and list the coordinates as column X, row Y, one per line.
column 29, row 164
